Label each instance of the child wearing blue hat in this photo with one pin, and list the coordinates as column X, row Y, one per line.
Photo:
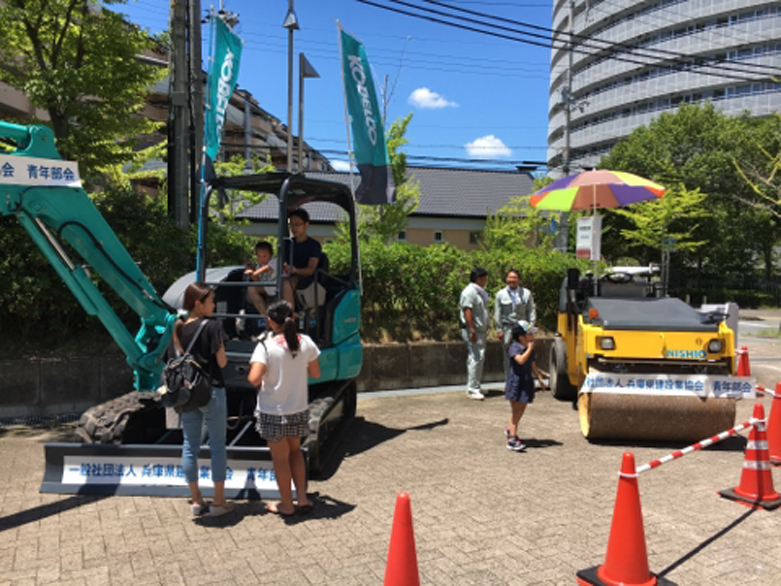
column 519, row 388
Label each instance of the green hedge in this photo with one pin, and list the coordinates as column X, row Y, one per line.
column 411, row 292
column 38, row 312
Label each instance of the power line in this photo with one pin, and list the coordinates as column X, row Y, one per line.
column 375, row 51
column 549, row 42
column 585, row 40
column 410, row 156
column 606, row 44
column 475, row 70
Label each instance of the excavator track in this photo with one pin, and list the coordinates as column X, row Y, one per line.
column 136, row 417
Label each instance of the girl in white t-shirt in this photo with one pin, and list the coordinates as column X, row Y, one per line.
column 279, row 369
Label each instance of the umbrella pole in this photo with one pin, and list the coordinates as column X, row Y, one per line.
column 594, row 227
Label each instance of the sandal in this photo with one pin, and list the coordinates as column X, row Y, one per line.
column 275, row 510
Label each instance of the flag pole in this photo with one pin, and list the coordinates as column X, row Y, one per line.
column 347, row 121
column 200, row 257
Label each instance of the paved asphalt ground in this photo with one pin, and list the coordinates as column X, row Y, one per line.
column 482, row 514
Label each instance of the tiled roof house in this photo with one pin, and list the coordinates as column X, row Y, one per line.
column 454, row 203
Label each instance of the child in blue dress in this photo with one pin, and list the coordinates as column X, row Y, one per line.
column 519, row 389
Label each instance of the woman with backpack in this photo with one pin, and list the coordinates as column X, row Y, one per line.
column 208, row 350
column 279, row 368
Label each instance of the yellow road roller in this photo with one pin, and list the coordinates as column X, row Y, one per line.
column 641, row 366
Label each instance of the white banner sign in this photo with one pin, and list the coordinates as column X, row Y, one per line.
column 699, row 385
column 163, row 471
column 19, row 170
column 588, row 243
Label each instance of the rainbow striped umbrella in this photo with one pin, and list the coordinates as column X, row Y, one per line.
column 595, row 189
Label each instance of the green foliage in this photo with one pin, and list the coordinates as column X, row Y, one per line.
column 518, row 225
column 672, row 217
column 744, row 298
column 237, row 200
column 37, row 308
column 411, row 292
column 81, row 65
column 696, row 148
column 541, row 180
column 386, row 221
column 760, row 169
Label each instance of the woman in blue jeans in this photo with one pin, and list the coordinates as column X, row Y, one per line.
column 209, row 351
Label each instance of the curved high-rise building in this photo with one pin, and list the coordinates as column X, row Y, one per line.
column 725, row 51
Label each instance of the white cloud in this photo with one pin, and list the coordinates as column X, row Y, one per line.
column 487, row 147
column 425, row 98
column 340, row 165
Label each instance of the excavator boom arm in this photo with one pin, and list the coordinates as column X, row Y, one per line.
column 44, row 193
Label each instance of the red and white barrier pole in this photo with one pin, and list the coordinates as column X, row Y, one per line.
column 697, row 446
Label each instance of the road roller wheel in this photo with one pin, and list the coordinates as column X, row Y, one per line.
column 560, row 386
column 584, row 414
column 630, row 416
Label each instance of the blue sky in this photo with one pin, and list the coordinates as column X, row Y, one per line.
column 472, row 96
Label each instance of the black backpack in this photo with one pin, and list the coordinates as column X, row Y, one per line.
column 187, row 386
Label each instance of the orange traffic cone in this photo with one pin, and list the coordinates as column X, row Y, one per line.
column 774, row 428
column 756, row 481
column 402, row 568
column 626, row 561
column 744, row 367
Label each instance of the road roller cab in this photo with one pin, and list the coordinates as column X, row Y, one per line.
column 641, row 366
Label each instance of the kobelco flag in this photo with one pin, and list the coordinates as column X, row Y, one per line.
column 222, row 80
column 371, row 152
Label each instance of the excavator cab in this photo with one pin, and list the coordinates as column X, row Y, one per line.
column 330, row 316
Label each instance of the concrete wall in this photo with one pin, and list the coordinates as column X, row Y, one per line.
column 48, row 387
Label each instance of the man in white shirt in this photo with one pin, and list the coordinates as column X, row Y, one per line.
column 473, row 309
column 512, row 304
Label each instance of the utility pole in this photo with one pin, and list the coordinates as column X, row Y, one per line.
column 178, row 119
column 196, row 117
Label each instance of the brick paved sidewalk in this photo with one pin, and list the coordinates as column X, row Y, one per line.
column 482, row 514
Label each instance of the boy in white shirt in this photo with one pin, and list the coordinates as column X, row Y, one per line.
column 265, row 271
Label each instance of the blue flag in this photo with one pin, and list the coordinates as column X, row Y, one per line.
column 222, row 80
column 371, row 152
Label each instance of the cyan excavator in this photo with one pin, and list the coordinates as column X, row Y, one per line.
column 131, row 442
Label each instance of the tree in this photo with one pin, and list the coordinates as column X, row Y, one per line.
column 386, row 221
column 665, row 224
column 695, row 148
column 518, row 225
column 80, row 64
column 762, row 172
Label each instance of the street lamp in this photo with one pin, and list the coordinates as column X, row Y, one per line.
column 291, row 24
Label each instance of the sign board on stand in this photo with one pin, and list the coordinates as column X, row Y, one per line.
column 588, row 243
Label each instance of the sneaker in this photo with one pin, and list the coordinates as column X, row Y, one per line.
column 219, row 511
column 476, row 395
column 241, row 323
column 199, row 509
column 515, row 444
